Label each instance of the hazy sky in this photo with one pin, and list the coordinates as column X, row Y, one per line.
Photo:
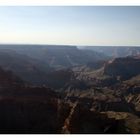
column 70, row 25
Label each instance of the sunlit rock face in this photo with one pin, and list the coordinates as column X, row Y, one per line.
column 123, row 67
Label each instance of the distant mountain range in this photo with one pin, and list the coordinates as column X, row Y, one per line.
column 56, row 56
column 115, row 51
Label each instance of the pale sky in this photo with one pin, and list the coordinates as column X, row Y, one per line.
column 70, row 25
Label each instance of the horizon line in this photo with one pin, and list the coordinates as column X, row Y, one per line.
column 30, row 44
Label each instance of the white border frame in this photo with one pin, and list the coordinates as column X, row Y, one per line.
column 69, row 2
